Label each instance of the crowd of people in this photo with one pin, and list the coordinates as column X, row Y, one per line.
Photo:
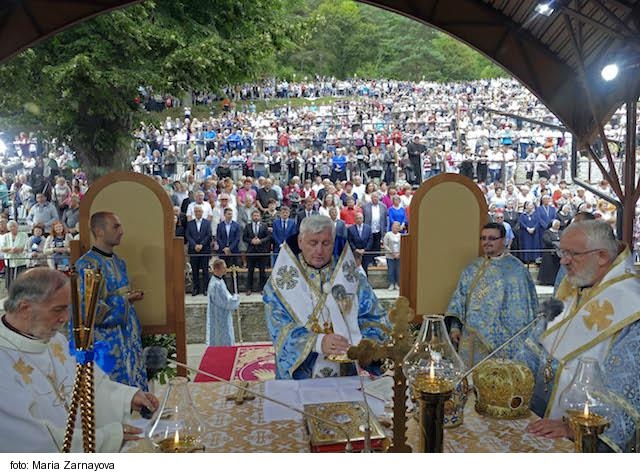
column 40, row 213
column 377, row 143
column 361, row 152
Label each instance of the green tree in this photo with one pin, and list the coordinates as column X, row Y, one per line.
column 81, row 86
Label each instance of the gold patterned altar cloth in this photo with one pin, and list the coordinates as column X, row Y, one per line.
column 242, row 428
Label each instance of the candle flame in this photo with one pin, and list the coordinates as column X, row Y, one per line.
column 586, row 409
column 432, row 371
column 176, row 438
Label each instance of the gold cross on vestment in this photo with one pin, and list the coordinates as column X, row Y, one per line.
column 598, row 314
column 24, row 370
column 58, row 352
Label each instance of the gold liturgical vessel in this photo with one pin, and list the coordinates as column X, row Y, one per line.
column 176, row 426
column 433, row 369
column 83, row 397
column 587, row 413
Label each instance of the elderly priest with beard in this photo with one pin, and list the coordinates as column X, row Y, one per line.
column 601, row 296
column 316, row 307
column 38, row 373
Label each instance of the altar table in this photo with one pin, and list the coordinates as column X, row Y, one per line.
column 242, row 428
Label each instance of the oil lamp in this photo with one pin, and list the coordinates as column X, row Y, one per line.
column 176, row 426
column 582, row 399
column 433, row 369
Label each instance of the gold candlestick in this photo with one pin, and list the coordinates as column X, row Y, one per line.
column 587, row 426
column 433, row 369
column 432, row 393
column 177, row 444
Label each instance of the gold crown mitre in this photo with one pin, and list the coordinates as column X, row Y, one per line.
column 503, row 389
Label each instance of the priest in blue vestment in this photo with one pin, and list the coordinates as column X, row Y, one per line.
column 495, row 297
column 118, row 342
column 317, row 306
column 220, row 307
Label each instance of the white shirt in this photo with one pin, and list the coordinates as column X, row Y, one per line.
column 206, row 210
column 375, row 218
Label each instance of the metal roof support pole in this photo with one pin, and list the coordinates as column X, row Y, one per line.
column 588, row 186
column 631, row 190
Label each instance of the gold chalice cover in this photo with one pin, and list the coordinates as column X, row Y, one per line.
column 503, row 388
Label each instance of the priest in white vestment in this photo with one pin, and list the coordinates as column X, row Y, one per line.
column 38, row 374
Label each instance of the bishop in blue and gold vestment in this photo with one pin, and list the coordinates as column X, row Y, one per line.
column 317, row 306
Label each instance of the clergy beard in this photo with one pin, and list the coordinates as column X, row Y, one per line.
column 588, row 276
column 42, row 331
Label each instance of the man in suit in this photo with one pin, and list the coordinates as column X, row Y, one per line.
column 340, row 231
column 360, row 238
column 305, row 212
column 199, row 238
column 228, row 238
column 283, row 228
column 258, row 239
column 375, row 215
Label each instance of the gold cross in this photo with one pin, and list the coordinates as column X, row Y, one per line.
column 241, row 395
column 58, row 352
column 598, row 314
column 24, row 370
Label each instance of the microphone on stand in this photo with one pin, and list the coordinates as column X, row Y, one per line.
column 344, row 301
column 548, row 311
column 157, row 353
column 155, row 359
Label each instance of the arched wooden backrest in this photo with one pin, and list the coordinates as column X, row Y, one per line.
column 155, row 258
column 445, row 218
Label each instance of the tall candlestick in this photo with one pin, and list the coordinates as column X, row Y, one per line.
column 432, row 393
column 586, row 426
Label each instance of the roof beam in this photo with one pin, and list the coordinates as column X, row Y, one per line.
column 595, row 23
column 612, row 175
column 613, row 17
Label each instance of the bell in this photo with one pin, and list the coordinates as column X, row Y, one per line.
column 176, row 426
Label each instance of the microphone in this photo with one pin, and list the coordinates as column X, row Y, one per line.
column 345, row 301
column 155, row 359
column 159, row 352
column 548, row 311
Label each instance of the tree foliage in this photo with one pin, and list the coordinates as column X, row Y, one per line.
column 81, row 86
column 348, row 39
